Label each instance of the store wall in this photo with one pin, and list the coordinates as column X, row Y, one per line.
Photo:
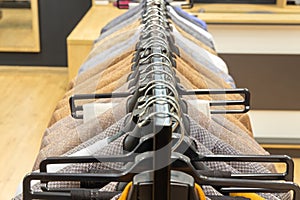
column 273, row 80
column 57, row 18
column 263, row 58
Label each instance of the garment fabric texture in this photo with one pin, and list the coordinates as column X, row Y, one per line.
column 191, row 18
column 130, row 13
column 211, row 61
column 190, row 28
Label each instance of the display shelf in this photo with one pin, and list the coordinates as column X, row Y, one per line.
column 246, row 8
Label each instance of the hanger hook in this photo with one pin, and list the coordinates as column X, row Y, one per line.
column 182, row 129
column 156, row 72
column 159, row 54
column 158, row 63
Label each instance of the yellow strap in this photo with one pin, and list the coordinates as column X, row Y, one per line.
column 125, row 192
column 251, row 196
column 200, row 192
column 128, row 186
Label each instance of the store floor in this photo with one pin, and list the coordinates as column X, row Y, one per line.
column 28, row 98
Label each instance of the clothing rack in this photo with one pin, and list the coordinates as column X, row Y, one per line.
column 158, row 149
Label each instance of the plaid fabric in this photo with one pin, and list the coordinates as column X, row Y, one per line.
column 88, row 167
column 209, row 190
column 208, row 144
column 217, row 146
column 237, row 138
column 114, row 148
column 110, row 187
column 61, row 142
column 116, row 197
column 227, row 132
column 108, row 132
column 67, row 122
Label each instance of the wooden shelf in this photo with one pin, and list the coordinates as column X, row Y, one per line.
column 280, row 146
column 244, row 18
column 245, row 8
column 247, row 13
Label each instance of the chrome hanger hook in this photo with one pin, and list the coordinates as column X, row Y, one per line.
column 156, row 71
column 158, row 54
column 160, row 83
column 182, row 129
column 161, row 64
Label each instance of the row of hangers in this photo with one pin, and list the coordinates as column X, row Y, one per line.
column 124, row 4
column 161, row 160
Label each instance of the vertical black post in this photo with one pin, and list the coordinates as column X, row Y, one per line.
column 162, row 121
column 161, row 162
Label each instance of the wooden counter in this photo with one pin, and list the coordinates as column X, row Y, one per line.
column 247, row 14
column 80, row 41
column 245, row 8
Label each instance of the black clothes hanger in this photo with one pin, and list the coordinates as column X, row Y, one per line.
column 146, row 144
column 76, row 109
column 187, row 148
column 179, row 162
column 121, row 5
